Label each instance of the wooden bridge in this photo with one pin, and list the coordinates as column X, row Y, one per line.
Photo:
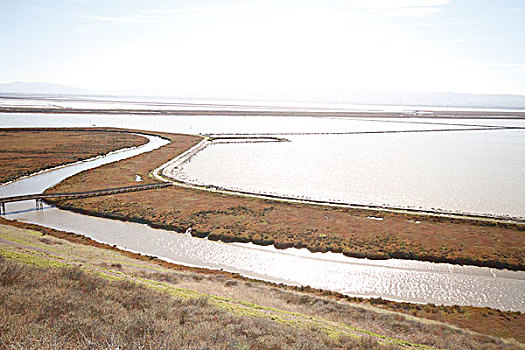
column 103, row 192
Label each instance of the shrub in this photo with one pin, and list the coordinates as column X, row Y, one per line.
column 10, row 272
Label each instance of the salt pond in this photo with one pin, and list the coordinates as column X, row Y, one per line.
column 476, row 172
column 394, row 279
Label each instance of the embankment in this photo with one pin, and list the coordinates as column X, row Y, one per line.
column 231, row 218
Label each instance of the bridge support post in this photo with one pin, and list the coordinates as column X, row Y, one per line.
column 2, row 209
column 39, row 204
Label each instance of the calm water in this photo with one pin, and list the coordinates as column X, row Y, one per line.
column 222, row 124
column 480, row 172
column 157, row 103
column 394, row 279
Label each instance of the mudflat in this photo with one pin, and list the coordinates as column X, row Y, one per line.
column 240, row 110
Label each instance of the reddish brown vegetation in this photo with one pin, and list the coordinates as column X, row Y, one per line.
column 24, row 151
column 230, row 217
column 318, row 228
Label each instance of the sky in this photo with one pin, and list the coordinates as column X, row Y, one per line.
column 271, row 48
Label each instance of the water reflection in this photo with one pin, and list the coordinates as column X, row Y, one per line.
column 394, row 279
column 479, row 172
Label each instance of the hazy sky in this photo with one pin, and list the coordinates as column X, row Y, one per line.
column 266, row 47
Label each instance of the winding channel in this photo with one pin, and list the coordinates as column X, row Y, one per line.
column 401, row 280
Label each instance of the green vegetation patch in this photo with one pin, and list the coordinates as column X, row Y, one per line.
column 33, row 258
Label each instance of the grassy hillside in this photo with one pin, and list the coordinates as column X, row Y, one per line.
column 60, row 294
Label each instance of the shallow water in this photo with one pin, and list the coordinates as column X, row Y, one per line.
column 478, row 172
column 208, row 124
column 475, row 172
column 393, row 279
column 158, row 103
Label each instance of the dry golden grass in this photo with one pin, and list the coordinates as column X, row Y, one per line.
column 66, row 308
column 24, row 151
column 79, row 296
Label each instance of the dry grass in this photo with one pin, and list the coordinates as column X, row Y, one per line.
column 68, row 295
column 67, row 308
column 358, row 314
column 333, row 307
column 23, row 152
column 284, row 224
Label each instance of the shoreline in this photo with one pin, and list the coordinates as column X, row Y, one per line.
column 82, row 239
column 449, row 114
column 161, row 173
column 319, row 244
column 506, row 322
column 316, row 243
column 377, row 300
column 283, row 246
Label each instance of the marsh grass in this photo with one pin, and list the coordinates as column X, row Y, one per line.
column 232, row 218
column 27, row 151
column 239, row 219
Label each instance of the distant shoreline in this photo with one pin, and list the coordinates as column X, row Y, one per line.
column 450, row 114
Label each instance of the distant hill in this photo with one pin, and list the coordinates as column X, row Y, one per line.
column 40, row 88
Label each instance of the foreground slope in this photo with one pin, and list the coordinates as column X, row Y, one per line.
column 60, row 293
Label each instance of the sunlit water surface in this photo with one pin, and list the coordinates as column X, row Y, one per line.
column 394, row 279
column 478, row 172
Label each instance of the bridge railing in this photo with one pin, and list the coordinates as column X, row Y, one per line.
column 101, row 192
